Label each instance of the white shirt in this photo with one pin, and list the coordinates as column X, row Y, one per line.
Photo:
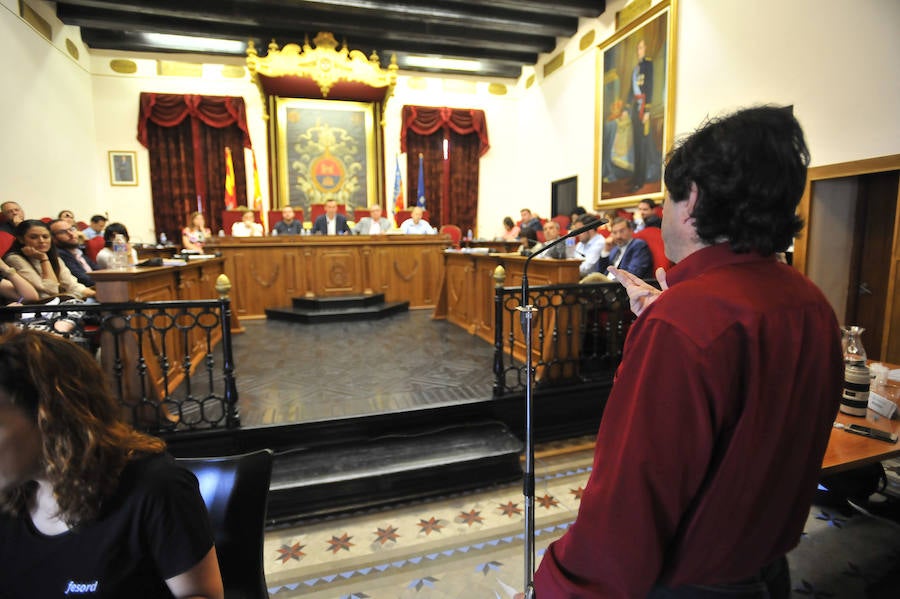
column 242, row 229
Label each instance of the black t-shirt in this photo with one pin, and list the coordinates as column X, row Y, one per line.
column 153, row 528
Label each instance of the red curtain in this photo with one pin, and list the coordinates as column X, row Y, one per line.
column 451, row 185
column 176, row 129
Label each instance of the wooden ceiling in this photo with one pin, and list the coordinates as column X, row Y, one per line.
column 500, row 36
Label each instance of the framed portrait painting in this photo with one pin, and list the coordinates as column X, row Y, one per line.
column 123, row 168
column 326, row 150
column 635, row 105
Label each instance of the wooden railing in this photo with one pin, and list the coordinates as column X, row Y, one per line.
column 578, row 335
column 161, row 358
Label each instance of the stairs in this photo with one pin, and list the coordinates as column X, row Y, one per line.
column 335, row 309
column 318, row 481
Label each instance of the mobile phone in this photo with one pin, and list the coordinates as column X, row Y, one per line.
column 874, row 433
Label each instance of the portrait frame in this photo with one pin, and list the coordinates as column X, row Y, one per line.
column 326, row 149
column 123, row 168
column 633, row 130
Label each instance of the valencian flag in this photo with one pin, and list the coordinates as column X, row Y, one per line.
column 399, row 203
column 257, row 194
column 230, row 197
column 420, row 191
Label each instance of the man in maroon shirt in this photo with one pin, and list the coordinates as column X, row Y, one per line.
column 711, row 442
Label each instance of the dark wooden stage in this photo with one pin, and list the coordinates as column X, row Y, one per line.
column 293, row 373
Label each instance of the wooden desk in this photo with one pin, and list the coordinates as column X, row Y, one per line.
column 193, row 281
column 268, row 272
column 846, row 451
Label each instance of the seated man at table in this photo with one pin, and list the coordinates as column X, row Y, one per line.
column 628, row 252
column 712, row 438
column 551, row 233
column 247, row 226
column 331, row 223
column 374, row 224
column 96, row 227
column 416, row 225
column 288, row 225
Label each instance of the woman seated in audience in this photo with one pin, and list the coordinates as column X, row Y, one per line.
column 106, row 256
column 194, row 236
column 13, row 288
column 510, row 230
column 88, row 505
column 35, row 258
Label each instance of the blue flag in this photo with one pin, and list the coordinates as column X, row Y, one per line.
column 420, row 191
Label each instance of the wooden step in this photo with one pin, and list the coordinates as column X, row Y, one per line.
column 338, row 314
column 337, row 302
column 321, row 481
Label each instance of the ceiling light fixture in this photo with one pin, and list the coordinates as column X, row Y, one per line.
column 196, row 44
column 448, row 64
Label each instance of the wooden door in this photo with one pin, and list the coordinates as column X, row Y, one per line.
column 870, row 264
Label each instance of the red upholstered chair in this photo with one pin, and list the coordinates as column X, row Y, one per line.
column 360, row 213
column 453, row 232
column 81, row 225
column 653, row 237
column 317, row 210
column 93, row 247
column 6, row 241
column 402, row 215
column 563, row 221
column 46, row 219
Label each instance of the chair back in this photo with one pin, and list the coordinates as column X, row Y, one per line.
column 93, row 247
column 402, row 215
column 653, row 237
column 235, row 490
column 6, row 241
column 276, row 217
column 563, row 221
column 81, row 225
column 453, row 232
column 317, row 210
column 229, row 217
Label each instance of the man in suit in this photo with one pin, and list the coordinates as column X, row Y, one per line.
column 628, row 253
column 331, row 223
column 14, row 215
column 374, row 224
column 551, row 233
column 65, row 237
column 640, row 96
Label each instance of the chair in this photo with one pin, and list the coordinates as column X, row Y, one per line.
column 235, row 490
column 563, row 221
column 229, row 217
column 453, row 232
column 6, row 241
column 317, row 210
column 653, row 237
column 93, row 247
column 402, row 215
column 276, row 217
column 81, row 225
column 361, row 213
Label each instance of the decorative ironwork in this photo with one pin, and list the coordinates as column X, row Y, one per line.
column 579, row 332
column 161, row 357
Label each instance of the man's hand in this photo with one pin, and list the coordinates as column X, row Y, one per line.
column 640, row 293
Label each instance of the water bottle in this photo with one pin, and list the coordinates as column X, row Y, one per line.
column 469, row 235
column 163, row 240
column 120, row 252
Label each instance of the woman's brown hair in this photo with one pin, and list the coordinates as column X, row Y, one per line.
column 85, row 445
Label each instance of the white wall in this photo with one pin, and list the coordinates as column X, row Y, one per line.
column 47, row 160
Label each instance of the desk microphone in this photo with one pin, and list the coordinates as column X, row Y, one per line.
column 528, row 474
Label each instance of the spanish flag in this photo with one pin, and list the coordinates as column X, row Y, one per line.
column 230, row 197
column 257, row 194
column 399, row 202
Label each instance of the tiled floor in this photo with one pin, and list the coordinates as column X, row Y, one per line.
column 470, row 546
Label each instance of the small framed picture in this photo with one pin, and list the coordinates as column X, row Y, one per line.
column 123, row 168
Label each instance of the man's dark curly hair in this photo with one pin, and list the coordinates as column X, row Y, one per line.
column 750, row 172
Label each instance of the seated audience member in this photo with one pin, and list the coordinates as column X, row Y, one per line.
column 510, row 230
column 644, row 210
column 288, row 225
column 14, row 289
column 374, row 224
column 96, row 226
column 69, row 217
column 247, row 226
column 14, row 215
column 415, row 224
column 105, row 257
column 707, row 431
column 592, row 246
column 65, row 237
column 331, row 223
column 528, row 242
column 529, row 220
column 551, row 233
column 577, row 213
column 75, row 481
column 628, row 253
column 36, row 259
column 653, row 221
column 194, row 236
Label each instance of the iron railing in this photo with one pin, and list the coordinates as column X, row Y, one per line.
column 578, row 335
column 162, row 359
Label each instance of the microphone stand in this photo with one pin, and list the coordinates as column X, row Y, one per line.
column 527, row 314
